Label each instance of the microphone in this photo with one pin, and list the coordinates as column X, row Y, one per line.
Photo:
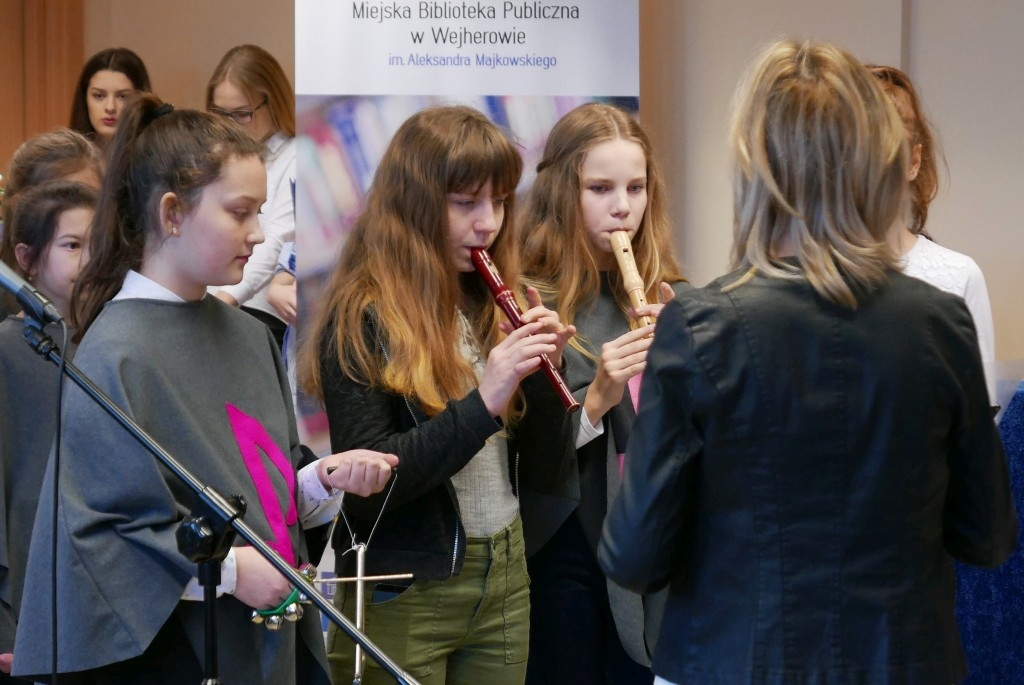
column 33, row 302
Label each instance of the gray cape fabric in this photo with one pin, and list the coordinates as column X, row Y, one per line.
column 28, row 411
column 183, row 370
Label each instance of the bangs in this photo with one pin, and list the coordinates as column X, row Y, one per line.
column 483, row 155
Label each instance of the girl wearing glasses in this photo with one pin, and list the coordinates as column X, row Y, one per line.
column 250, row 88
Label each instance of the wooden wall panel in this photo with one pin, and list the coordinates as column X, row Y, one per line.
column 41, row 45
column 12, row 119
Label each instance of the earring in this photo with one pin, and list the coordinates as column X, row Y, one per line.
column 174, row 230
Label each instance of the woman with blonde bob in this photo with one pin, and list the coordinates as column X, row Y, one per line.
column 814, row 446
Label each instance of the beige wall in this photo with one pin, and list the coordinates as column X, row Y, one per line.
column 966, row 59
column 181, row 41
column 693, row 52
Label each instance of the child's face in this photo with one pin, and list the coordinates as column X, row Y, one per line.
column 215, row 239
column 613, row 194
column 57, row 268
column 474, row 220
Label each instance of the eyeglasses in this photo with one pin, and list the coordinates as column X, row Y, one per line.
column 240, row 116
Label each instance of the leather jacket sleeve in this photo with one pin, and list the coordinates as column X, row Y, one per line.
column 430, row 452
column 979, row 523
column 432, row 449
column 544, row 437
column 647, row 523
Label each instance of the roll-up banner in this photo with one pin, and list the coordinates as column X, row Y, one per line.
column 363, row 67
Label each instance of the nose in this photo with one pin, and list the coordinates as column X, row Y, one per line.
column 108, row 104
column 255, row 236
column 489, row 220
column 620, row 204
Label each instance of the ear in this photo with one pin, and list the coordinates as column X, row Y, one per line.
column 172, row 213
column 915, row 162
column 26, row 259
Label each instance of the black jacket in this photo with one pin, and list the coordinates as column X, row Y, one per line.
column 803, row 475
column 421, row 531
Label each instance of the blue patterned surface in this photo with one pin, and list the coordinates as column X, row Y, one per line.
column 990, row 603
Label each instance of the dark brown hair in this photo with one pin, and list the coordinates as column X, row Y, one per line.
column 35, row 219
column 121, row 60
column 155, row 151
column 45, row 157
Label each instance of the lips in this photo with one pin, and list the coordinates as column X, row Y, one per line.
column 110, row 122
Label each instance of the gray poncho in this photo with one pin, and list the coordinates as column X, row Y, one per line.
column 206, row 381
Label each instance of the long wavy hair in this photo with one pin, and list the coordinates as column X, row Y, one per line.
column 925, row 186
column 820, row 171
column 257, row 74
column 397, row 264
column 156, row 150
column 557, row 259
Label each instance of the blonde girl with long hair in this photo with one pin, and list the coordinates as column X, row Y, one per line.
column 598, row 177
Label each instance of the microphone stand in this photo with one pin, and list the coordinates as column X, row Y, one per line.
column 216, row 508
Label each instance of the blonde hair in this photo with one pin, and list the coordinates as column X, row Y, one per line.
column 556, row 257
column 397, row 264
column 259, row 76
column 821, row 160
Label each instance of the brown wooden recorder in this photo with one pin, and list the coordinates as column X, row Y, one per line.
column 507, row 302
column 631, row 280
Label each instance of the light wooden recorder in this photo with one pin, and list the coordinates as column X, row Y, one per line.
column 631, row 280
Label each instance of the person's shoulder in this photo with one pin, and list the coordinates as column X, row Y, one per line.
column 280, row 148
column 12, row 341
column 907, row 285
column 941, row 266
column 127, row 320
column 717, row 291
column 941, row 308
column 693, row 304
column 680, row 287
column 11, row 326
column 945, row 254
